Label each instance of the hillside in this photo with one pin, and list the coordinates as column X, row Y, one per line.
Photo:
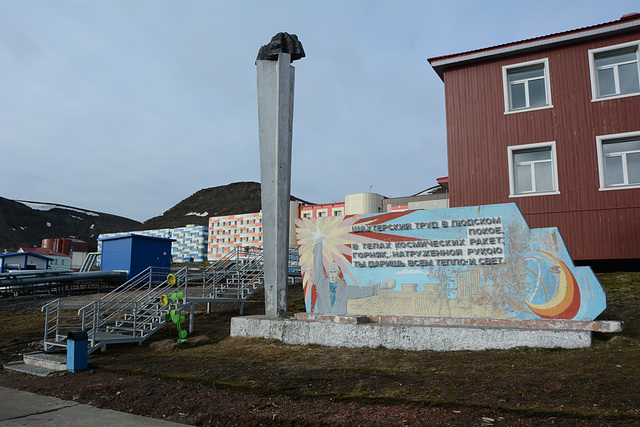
column 231, row 199
column 27, row 223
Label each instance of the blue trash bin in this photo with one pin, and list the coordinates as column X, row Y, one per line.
column 77, row 351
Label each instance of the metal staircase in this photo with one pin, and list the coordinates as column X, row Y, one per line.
column 234, row 278
column 133, row 311
column 90, row 261
column 130, row 313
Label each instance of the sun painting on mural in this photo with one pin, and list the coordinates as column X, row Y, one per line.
column 334, row 233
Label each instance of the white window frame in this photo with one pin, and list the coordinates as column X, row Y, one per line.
column 594, row 77
column 324, row 212
column 554, row 168
column 337, row 212
column 619, row 137
column 507, row 92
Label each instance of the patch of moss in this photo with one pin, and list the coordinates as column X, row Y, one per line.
column 21, row 324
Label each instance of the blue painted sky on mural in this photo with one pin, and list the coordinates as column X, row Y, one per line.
column 128, row 107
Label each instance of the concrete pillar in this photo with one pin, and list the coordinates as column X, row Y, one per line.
column 275, row 117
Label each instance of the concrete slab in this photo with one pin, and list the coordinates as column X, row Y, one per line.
column 342, row 332
column 51, row 361
column 21, row 408
column 29, row 404
column 20, row 366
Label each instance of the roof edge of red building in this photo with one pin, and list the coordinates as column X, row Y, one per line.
column 627, row 21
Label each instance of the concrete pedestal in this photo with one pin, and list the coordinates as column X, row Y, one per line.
column 420, row 333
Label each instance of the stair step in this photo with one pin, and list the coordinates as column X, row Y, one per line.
column 125, row 329
column 141, row 319
column 52, row 361
column 236, row 284
column 20, row 366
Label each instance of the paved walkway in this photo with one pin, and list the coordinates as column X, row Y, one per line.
column 21, row 408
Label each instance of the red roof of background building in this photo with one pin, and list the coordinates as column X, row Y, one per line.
column 43, row 252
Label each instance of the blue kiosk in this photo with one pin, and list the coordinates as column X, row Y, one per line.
column 135, row 253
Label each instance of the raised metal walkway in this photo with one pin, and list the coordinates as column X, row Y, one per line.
column 130, row 313
column 233, row 278
column 133, row 312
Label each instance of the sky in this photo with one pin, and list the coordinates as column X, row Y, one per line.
column 130, row 106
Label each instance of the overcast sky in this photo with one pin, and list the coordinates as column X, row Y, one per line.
column 128, row 107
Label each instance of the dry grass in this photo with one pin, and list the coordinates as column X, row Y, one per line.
column 599, row 382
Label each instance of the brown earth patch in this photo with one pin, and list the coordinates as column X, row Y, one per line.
column 215, row 379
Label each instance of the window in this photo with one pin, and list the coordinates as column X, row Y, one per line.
column 615, row 71
column 526, row 86
column 337, row 212
column 532, row 169
column 619, row 161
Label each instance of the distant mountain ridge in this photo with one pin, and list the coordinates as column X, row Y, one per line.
column 25, row 223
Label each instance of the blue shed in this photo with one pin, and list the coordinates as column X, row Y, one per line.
column 135, row 253
column 23, row 261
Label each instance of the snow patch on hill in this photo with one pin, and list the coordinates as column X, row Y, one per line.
column 48, row 206
column 197, row 214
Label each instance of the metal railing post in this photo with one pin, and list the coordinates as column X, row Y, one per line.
column 46, row 326
column 96, row 316
column 57, row 320
column 191, row 313
column 135, row 319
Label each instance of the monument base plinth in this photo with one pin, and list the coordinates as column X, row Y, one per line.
column 420, row 333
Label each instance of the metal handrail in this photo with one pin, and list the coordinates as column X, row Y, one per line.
column 104, row 307
column 145, row 275
column 134, row 309
column 134, row 283
column 57, row 324
column 98, row 315
column 89, row 261
column 247, row 268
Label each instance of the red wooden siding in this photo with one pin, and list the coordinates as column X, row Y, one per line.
column 594, row 224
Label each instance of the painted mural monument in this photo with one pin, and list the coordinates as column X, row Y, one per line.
column 470, row 278
column 470, row 262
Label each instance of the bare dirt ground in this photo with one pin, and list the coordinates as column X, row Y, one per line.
column 215, row 379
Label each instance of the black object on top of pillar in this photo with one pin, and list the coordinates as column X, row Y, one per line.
column 281, row 43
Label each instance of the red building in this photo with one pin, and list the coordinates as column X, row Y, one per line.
column 552, row 124
column 316, row 211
